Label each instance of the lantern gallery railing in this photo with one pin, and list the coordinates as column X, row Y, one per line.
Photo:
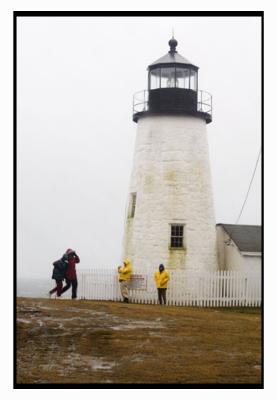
column 141, row 102
column 204, row 103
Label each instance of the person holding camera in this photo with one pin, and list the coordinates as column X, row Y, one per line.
column 124, row 276
column 70, row 275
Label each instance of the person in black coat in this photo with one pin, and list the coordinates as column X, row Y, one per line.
column 59, row 271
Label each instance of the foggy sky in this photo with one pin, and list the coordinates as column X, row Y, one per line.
column 76, row 78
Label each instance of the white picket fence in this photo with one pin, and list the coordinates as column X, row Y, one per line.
column 210, row 289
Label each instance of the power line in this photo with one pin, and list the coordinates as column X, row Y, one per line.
column 250, row 184
column 228, row 242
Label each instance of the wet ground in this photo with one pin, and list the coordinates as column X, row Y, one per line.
column 67, row 341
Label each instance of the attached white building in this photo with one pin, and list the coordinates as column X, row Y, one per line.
column 239, row 247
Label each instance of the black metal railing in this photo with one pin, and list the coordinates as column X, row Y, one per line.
column 141, row 102
column 204, row 102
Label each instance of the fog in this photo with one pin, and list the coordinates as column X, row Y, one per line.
column 75, row 134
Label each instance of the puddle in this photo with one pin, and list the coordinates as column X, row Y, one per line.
column 98, row 363
column 137, row 359
column 24, row 311
column 75, row 361
column 49, row 308
column 71, row 319
column 60, row 321
column 57, row 335
column 24, row 321
column 41, row 381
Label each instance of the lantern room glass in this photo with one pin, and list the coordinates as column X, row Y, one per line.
column 173, row 77
column 193, row 80
column 155, row 79
column 182, row 78
column 168, row 78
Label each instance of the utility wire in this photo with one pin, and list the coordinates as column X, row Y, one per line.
column 228, row 242
column 250, row 184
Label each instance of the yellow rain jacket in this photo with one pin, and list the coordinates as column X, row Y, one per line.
column 161, row 279
column 125, row 271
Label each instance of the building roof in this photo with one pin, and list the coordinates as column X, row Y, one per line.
column 172, row 58
column 247, row 237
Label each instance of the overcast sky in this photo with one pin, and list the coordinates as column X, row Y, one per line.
column 76, row 79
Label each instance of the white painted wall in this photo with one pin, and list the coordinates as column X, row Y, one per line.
column 230, row 258
column 253, row 263
column 171, row 176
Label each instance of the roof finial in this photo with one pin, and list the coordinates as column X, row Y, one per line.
column 173, row 44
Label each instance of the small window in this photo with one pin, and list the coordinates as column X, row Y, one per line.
column 132, row 205
column 177, row 232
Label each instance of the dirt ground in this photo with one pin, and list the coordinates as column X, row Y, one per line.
column 67, row 341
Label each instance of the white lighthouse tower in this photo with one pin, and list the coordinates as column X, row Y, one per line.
column 170, row 216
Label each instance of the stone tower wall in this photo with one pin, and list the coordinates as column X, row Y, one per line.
column 172, row 182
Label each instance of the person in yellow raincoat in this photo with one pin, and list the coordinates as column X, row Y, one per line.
column 124, row 277
column 161, row 278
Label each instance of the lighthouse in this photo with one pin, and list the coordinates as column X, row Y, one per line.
column 169, row 214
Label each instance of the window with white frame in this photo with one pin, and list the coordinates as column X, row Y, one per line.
column 177, row 236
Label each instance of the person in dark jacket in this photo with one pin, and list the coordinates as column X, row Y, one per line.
column 70, row 275
column 59, row 271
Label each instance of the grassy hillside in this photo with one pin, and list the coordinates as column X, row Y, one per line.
column 67, row 341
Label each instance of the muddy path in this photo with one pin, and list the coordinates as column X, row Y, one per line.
column 66, row 341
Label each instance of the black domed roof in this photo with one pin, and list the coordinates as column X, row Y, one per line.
column 172, row 57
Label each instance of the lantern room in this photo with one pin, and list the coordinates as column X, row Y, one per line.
column 172, row 88
column 173, row 71
column 173, row 77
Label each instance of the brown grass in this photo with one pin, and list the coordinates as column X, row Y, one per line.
column 65, row 341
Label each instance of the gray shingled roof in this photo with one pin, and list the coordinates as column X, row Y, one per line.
column 246, row 237
column 172, row 58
